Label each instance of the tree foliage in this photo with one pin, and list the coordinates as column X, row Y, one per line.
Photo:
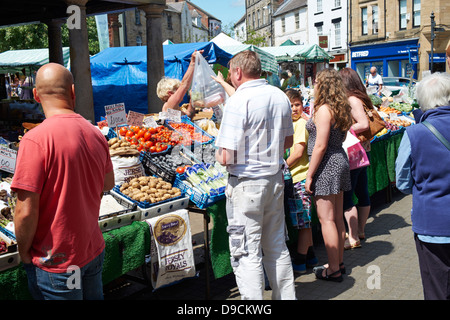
column 35, row 36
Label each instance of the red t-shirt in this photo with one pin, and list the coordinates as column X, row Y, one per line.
column 65, row 160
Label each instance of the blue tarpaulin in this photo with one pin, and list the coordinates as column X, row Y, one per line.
column 119, row 74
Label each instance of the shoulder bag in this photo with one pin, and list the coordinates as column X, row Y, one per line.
column 437, row 134
column 376, row 124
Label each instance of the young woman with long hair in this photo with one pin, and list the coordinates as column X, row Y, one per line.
column 329, row 174
column 356, row 217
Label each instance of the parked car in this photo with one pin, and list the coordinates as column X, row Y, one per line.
column 396, row 83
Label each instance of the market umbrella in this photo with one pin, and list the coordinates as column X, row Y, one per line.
column 288, row 42
column 268, row 60
column 314, row 53
column 31, row 59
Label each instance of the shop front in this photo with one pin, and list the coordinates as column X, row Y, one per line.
column 392, row 59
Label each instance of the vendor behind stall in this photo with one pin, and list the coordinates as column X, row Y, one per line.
column 172, row 91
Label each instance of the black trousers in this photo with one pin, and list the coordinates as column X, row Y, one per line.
column 434, row 263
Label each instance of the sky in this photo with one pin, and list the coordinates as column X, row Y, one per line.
column 227, row 11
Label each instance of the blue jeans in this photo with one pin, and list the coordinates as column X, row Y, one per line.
column 83, row 284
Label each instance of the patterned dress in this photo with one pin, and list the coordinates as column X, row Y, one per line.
column 333, row 174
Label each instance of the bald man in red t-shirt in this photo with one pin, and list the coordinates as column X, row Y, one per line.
column 63, row 167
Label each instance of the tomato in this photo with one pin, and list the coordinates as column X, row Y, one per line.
column 158, row 149
column 180, row 170
column 130, row 134
column 140, row 147
column 152, row 149
column 140, row 133
column 147, row 135
column 123, row 131
column 164, row 147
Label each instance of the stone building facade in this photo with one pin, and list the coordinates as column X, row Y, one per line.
column 395, row 36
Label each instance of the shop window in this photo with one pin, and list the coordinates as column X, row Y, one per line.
column 403, row 14
column 416, row 13
column 393, row 69
column 363, row 70
column 364, row 27
column 374, row 19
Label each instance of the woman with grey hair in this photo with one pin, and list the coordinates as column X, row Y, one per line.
column 418, row 173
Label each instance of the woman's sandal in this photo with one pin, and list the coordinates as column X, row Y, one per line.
column 349, row 246
column 329, row 277
column 341, row 267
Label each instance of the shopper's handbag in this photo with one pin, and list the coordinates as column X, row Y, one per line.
column 357, row 156
column 376, row 124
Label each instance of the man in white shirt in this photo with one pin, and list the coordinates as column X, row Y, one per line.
column 255, row 131
column 374, row 79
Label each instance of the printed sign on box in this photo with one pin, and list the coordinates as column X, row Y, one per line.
column 7, row 159
column 115, row 115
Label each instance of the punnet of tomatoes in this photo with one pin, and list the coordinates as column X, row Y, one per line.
column 190, row 132
column 153, row 140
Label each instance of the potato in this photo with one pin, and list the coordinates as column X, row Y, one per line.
column 115, row 145
column 145, row 188
column 135, row 184
column 113, row 141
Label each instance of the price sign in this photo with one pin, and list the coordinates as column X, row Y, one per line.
column 135, row 118
column 150, row 122
column 7, row 159
column 163, row 116
column 115, row 115
column 174, row 115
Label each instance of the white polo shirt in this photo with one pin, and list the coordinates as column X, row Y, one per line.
column 255, row 123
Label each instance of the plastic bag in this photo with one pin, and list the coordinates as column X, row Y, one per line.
column 205, row 91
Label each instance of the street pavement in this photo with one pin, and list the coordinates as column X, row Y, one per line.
column 384, row 268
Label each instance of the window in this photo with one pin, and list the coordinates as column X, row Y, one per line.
column 337, row 3
column 259, row 18
column 319, row 30
column 374, row 19
column 364, row 29
column 416, row 13
column 402, row 11
column 138, row 40
column 297, row 20
column 137, row 17
column 283, row 25
column 337, row 34
column 254, row 22
column 169, row 22
column 319, row 6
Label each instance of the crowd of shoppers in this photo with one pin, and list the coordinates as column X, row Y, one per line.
column 263, row 131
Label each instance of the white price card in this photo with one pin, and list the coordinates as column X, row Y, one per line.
column 135, row 118
column 163, row 116
column 174, row 115
column 150, row 122
column 115, row 115
column 7, row 159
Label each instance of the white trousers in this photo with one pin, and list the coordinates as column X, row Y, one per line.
column 257, row 237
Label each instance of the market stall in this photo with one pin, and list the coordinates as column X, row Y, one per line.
column 310, row 58
column 17, row 74
column 119, row 75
